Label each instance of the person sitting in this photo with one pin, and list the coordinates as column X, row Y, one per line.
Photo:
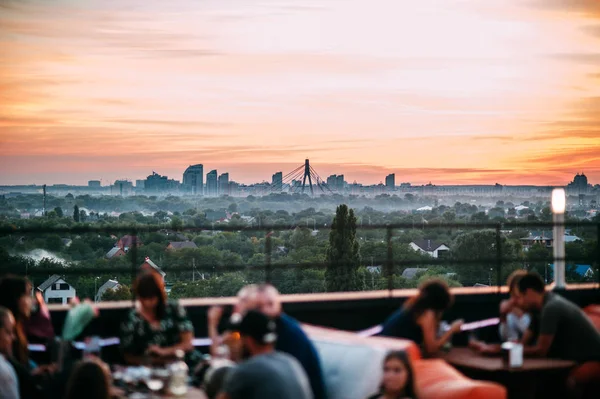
column 565, row 331
column 291, row 338
column 397, row 382
column 419, row 318
column 215, row 376
column 15, row 295
column 9, row 384
column 266, row 373
column 226, row 345
column 515, row 323
column 156, row 329
column 90, row 379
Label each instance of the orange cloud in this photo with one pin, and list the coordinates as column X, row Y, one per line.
column 119, row 90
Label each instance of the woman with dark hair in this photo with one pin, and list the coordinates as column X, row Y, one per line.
column 397, row 381
column 156, row 329
column 419, row 318
column 90, row 379
column 15, row 295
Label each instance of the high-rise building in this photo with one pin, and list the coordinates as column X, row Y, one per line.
column 336, row 182
column 390, row 181
column 140, row 184
column 193, row 179
column 340, row 183
column 94, row 184
column 332, row 181
column 223, row 184
column 212, row 184
column 277, row 181
column 158, row 184
column 122, row 187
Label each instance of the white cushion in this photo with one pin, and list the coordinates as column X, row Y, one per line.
column 351, row 371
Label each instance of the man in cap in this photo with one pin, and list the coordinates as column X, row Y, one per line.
column 265, row 373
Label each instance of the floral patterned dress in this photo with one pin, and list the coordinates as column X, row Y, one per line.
column 137, row 334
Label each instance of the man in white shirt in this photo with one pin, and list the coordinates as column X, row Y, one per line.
column 9, row 385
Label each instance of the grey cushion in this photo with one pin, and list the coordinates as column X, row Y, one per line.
column 351, row 371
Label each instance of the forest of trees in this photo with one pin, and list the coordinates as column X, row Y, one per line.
column 311, row 250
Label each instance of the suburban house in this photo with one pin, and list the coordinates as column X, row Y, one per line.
column 115, row 253
column 411, row 272
column 175, row 245
column 545, row 238
column 430, row 247
column 109, row 285
column 149, row 265
column 57, row 290
column 174, row 235
column 126, row 242
column 584, row 271
column 216, row 216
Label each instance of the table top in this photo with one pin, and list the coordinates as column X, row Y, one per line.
column 468, row 358
column 192, row 393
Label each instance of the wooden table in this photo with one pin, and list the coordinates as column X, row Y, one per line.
column 522, row 382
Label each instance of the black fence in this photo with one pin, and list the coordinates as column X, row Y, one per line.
column 490, row 265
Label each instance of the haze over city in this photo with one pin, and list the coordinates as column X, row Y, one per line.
column 447, row 91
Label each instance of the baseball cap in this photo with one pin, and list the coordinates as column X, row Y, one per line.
column 258, row 326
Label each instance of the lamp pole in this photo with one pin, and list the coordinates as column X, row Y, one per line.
column 558, row 218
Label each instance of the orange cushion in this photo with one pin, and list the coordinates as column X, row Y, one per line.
column 593, row 312
column 434, row 378
column 586, row 373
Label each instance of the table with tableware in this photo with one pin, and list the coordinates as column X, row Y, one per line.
column 534, row 378
column 147, row 383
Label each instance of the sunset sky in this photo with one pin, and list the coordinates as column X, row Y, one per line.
column 447, row 91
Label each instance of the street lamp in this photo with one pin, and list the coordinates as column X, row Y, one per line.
column 559, row 203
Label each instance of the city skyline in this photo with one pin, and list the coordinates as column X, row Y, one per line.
column 447, row 91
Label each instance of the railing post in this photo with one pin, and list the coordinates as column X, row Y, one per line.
column 134, row 260
column 598, row 252
column 498, row 258
column 389, row 269
column 268, row 258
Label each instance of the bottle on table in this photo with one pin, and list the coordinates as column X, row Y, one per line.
column 179, row 375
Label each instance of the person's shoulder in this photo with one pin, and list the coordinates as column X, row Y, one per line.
column 289, row 321
column 173, row 307
column 133, row 315
column 292, row 325
column 556, row 301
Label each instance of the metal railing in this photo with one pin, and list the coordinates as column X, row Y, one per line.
column 391, row 263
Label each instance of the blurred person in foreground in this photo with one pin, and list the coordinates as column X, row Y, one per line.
column 9, row 384
column 15, row 295
column 398, row 379
column 227, row 345
column 419, row 318
column 291, row 338
column 565, row 332
column 266, row 373
column 91, row 379
column 155, row 329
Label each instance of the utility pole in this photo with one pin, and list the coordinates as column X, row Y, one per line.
column 44, row 190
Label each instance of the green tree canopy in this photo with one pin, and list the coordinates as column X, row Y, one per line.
column 342, row 257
